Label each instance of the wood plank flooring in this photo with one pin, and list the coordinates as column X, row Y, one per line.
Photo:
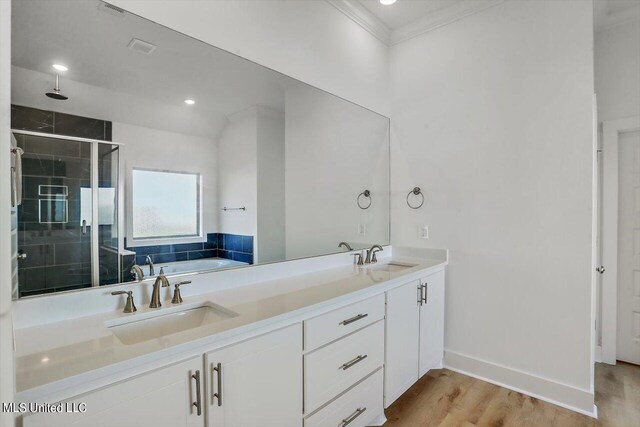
column 446, row 398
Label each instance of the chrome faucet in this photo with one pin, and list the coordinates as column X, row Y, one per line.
column 371, row 254
column 137, row 271
column 161, row 281
column 345, row 245
column 149, row 262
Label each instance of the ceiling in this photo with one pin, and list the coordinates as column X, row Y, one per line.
column 105, row 77
column 402, row 12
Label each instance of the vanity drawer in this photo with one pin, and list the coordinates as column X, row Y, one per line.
column 337, row 323
column 331, row 370
column 361, row 404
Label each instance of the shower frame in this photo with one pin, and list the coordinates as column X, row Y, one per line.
column 95, row 230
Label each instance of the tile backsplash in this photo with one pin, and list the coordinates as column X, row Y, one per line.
column 218, row 245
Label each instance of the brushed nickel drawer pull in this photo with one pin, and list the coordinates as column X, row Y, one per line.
column 352, row 362
column 198, row 402
column 218, row 395
column 353, row 319
column 353, row 416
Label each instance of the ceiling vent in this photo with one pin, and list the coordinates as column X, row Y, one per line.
column 111, row 9
column 141, row 46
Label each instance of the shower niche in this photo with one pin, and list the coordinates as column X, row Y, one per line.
column 67, row 220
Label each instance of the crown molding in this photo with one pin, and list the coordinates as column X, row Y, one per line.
column 441, row 18
column 361, row 16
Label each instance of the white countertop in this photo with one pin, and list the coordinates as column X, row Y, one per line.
column 51, row 357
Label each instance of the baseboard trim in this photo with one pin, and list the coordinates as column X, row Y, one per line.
column 563, row 395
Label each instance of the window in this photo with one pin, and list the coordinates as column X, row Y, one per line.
column 165, row 204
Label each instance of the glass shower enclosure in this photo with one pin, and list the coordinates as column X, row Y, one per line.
column 68, row 228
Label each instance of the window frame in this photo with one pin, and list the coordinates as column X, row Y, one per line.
column 177, row 239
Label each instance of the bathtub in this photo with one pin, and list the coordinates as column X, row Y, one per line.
column 191, row 266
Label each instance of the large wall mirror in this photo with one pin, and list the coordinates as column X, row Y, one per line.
column 144, row 151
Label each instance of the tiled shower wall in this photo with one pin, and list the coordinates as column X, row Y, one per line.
column 58, row 255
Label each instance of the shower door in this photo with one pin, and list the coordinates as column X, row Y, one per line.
column 66, row 190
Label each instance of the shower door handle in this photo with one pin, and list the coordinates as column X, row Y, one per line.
column 16, row 178
column 84, row 227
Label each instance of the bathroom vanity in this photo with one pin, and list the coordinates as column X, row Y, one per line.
column 331, row 347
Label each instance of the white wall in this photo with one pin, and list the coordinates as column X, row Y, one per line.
column 162, row 150
column 271, row 188
column 6, row 325
column 308, row 40
column 237, row 170
column 334, row 150
column 617, row 71
column 492, row 116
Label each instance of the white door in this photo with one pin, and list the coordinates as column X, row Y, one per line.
column 257, row 383
column 162, row 398
column 402, row 340
column 432, row 323
column 628, row 335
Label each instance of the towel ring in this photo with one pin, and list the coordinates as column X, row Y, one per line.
column 416, row 192
column 366, row 194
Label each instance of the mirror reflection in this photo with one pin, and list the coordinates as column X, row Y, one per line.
column 147, row 152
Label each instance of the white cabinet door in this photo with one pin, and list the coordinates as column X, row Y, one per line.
column 402, row 340
column 162, row 398
column 432, row 323
column 257, row 382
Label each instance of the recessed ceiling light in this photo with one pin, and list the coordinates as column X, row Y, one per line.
column 387, row 2
column 60, row 67
column 189, row 101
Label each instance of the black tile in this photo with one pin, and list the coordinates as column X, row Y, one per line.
column 37, row 164
column 72, row 167
column 36, row 255
column 151, row 250
column 203, row 254
column 185, row 247
column 31, row 233
column 238, row 256
column 31, row 279
column 107, row 131
column 73, row 253
column 28, row 211
column 83, row 127
column 32, row 119
column 67, row 275
column 212, row 241
column 220, row 240
column 233, row 242
column 224, row 254
column 247, row 244
column 52, row 146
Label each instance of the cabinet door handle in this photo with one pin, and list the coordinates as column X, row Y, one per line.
column 198, row 402
column 218, row 395
column 420, row 294
column 353, row 416
column 352, row 362
column 424, row 292
column 353, row 319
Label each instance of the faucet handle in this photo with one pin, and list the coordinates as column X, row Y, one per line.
column 177, row 298
column 162, row 269
column 130, row 306
column 358, row 258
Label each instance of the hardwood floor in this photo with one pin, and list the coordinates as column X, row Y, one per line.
column 446, row 398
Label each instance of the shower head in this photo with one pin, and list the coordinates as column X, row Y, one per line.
column 56, row 93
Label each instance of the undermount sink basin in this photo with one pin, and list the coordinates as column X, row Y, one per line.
column 150, row 326
column 393, row 267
